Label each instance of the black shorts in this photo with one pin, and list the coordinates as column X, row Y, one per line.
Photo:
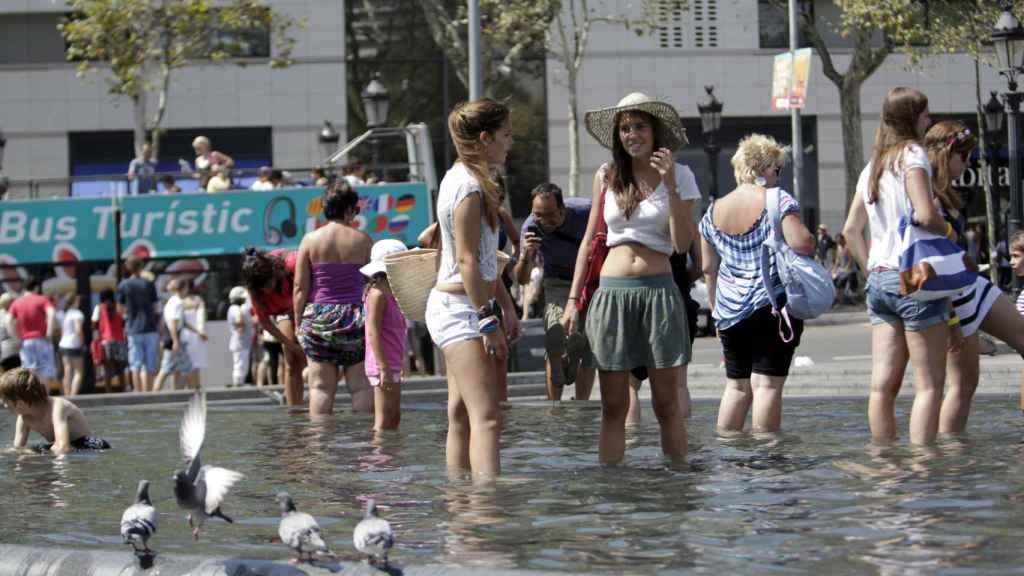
column 754, row 346
column 10, row 363
column 72, row 352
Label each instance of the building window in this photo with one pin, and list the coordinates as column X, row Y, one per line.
column 773, row 23
column 99, row 160
column 705, row 23
column 31, row 39
column 670, row 33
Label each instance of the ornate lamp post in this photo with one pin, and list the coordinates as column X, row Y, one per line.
column 376, row 105
column 711, row 122
column 328, row 138
column 1008, row 39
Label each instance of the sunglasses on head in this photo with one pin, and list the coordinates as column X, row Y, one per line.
column 960, row 136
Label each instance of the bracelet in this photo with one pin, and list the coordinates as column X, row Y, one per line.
column 571, row 298
column 488, row 310
column 953, row 321
column 950, row 233
column 488, row 325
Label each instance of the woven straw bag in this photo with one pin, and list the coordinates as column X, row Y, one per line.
column 413, row 273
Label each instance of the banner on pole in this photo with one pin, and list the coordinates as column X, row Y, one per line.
column 789, row 80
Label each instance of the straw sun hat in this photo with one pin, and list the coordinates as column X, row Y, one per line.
column 413, row 273
column 601, row 123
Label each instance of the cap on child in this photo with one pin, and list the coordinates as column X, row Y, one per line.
column 380, row 250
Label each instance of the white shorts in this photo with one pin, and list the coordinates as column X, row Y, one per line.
column 375, row 380
column 451, row 318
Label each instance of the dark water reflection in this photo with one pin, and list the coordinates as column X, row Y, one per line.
column 818, row 498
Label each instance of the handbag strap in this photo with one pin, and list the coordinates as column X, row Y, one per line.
column 771, row 205
column 602, row 226
column 772, row 198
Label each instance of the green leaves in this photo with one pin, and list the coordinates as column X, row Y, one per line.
column 137, row 39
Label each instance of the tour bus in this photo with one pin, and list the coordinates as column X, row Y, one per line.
column 78, row 244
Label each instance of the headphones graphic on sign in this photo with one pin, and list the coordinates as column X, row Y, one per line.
column 272, row 234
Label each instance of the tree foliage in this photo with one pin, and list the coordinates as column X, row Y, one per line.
column 141, row 42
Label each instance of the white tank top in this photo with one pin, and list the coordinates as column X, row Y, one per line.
column 892, row 204
column 648, row 225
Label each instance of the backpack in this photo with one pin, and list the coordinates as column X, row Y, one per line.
column 807, row 285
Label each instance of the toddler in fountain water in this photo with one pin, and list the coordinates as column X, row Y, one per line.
column 56, row 419
column 385, row 338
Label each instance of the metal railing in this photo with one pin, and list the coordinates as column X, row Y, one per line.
column 106, row 185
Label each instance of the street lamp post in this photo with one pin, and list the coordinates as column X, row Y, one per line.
column 328, row 138
column 711, row 122
column 993, row 118
column 376, row 105
column 1008, row 39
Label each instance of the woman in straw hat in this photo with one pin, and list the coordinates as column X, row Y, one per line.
column 636, row 317
column 733, row 229
column 463, row 317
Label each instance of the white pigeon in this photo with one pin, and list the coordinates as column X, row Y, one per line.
column 200, row 489
column 373, row 535
column 299, row 531
column 139, row 520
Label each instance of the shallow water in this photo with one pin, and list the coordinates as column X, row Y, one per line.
column 817, row 499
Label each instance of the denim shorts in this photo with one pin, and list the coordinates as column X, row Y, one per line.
column 886, row 305
column 37, row 356
column 144, row 352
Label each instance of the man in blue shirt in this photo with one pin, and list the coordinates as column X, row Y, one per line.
column 551, row 237
column 143, row 170
column 138, row 303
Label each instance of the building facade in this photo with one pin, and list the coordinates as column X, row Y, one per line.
column 731, row 44
column 57, row 125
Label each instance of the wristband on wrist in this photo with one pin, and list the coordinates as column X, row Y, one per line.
column 950, row 233
column 571, row 298
column 488, row 310
column 488, row 325
column 953, row 321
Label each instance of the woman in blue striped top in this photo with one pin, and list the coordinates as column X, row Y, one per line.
column 757, row 359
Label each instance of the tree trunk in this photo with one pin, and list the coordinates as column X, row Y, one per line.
column 853, row 134
column 139, row 117
column 574, row 137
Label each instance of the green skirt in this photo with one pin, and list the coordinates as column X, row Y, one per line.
column 638, row 321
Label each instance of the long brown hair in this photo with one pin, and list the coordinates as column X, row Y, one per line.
column 900, row 111
column 942, row 141
column 619, row 176
column 465, row 124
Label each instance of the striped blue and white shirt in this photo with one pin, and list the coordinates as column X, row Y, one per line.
column 739, row 291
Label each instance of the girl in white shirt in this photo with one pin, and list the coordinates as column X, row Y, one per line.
column 70, row 345
column 463, row 315
column 896, row 184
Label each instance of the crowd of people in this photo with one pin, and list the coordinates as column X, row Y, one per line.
column 216, row 171
column 615, row 272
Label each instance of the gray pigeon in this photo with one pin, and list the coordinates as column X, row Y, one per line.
column 139, row 520
column 299, row 531
column 373, row 535
column 200, row 489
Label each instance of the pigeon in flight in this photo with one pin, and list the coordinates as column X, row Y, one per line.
column 139, row 520
column 373, row 535
column 200, row 489
column 299, row 531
